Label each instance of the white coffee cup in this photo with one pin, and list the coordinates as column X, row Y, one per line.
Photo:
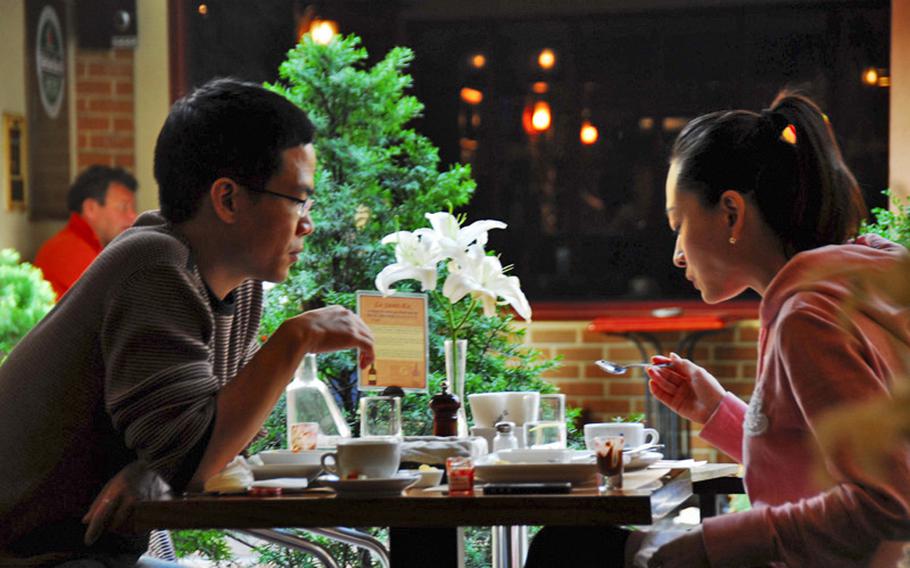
column 634, row 433
column 488, row 408
column 364, row 457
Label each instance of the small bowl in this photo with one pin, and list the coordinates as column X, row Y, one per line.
column 287, row 457
column 428, row 477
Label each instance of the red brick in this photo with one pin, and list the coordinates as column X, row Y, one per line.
column 123, row 54
column 735, row 353
column 620, row 388
column 124, row 88
column 580, row 353
column 598, row 337
column 722, row 371
column 93, row 123
column 623, row 354
column 105, row 105
column 81, row 105
column 86, row 160
column 554, row 336
column 638, row 405
column 106, row 141
column 81, row 69
column 127, row 161
column 747, row 333
column 124, row 125
column 724, row 336
column 749, row 371
column 582, row 388
column 82, row 141
column 99, row 69
column 93, row 87
column 742, row 390
column 563, row 372
column 608, row 405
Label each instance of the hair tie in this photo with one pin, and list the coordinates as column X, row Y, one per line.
column 779, row 125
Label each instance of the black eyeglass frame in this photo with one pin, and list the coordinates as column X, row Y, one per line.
column 303, row 205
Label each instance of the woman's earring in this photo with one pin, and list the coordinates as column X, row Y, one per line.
column 732, row 240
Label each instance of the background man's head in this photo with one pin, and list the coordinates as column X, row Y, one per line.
column 105, row 198
column 224, row 129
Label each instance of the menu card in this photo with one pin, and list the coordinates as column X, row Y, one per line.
column 400, row 330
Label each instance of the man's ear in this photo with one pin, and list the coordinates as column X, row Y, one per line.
column 733, row 205
column 223, row 194
column 90, row 208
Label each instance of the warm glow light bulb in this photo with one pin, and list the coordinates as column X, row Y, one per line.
column 323, row 31
column 478, row 61
column 471, row 96
column 546, row 59
column 588, row 133
column 203, row 9
column 870, row 76
column 541, row 118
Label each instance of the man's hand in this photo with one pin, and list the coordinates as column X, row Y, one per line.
column 686, row 551
column 114, row 505
column 686, row 388
column 334, row 328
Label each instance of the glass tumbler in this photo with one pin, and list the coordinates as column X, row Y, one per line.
column 608, row 451
column 380, row 416
column 545, row 434
column 552, row 407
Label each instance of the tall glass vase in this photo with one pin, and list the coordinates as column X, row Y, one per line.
column 456, row 358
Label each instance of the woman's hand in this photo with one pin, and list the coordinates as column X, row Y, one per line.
column 114, row 505
column 686, row 551
column 686, row 388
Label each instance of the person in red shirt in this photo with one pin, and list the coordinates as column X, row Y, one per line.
column 102, row 205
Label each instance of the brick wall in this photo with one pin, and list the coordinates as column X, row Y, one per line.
column 104, row 108
column 730, row 355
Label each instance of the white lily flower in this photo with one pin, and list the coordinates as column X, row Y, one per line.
column 482, row 277
column 455, row 239
column 417, row 254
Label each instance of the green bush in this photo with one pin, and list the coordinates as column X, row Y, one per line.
column 25, row 298
column 893, row 225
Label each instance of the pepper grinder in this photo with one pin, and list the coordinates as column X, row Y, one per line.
column 445, row 407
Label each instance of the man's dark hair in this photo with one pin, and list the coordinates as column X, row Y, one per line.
column 225, row 128
column 93, row 182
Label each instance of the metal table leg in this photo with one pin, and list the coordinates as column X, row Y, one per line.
column 290, row 540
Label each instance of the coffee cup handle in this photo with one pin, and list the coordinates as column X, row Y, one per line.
column 332, row 467
column 652, row 436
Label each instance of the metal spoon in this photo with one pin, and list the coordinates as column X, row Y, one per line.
column 617, row 369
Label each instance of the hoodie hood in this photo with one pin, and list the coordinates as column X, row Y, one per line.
column 869, row 275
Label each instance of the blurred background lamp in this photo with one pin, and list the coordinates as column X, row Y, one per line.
column 203, row 9
column 323, row 31
column 540, row 118
column 478, row 61
column 540, row 87
column 588, row 133
column 870, row 76
column 546, row 59
column 471, row 96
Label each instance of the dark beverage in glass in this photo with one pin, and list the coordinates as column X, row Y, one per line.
column 608, row 451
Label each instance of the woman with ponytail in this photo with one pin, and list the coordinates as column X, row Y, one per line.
column 764, row 201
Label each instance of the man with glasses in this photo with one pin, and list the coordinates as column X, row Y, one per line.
column 149, row 369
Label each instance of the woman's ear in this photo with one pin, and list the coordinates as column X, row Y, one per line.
column 733, row 205
column 223, row 194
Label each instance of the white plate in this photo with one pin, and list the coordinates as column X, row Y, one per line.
column 377, row 487
column 642, row 460
column 428, row 477
column 286, row 484
column 285, row 470
column 287, row 457
column 581, row 471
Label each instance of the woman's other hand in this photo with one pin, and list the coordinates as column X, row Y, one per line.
column 686, row 551
column 684, row 387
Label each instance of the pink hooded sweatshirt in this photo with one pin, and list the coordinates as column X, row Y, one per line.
column 818, row 349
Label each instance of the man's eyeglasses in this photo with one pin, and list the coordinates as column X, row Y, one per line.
column 303, row 205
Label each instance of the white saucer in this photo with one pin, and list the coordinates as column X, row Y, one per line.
column 272, row 471
column 376, row 487
column 642, row 460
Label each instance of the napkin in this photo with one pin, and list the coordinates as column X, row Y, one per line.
column 435, row 449
column 236, row 477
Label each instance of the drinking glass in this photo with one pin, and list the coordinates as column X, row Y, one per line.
column 460, row 473
column 608, row 450
column 548, row 434
column 380, row 416
column 552, row 407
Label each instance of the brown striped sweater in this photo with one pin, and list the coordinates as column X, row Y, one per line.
column 127, row 366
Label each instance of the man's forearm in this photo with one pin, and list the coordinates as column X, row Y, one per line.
column 245, row 403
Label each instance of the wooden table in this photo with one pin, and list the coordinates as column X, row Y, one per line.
column 424, row 524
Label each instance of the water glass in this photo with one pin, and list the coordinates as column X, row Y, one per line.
column 552, row 407
column 380, row 416
column 545, row 434
column 608, row 451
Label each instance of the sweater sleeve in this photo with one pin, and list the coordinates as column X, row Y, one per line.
column 160, row 387
column 843, row 525
column 724, row 429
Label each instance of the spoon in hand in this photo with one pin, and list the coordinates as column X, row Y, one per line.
column 617, row 369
